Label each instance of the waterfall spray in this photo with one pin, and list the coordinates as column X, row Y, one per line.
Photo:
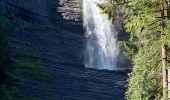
column 101, row 48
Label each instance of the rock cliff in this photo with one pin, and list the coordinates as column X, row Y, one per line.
column 71, row 9
column 60, row 43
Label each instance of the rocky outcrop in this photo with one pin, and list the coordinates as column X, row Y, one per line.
column 71, row 9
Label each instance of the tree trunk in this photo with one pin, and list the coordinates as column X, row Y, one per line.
column 168, row 16
column 163, row 52
column 164, row 67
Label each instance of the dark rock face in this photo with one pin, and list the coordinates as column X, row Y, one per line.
column 60, row 43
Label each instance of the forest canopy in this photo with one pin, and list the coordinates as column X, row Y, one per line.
column 148, row 30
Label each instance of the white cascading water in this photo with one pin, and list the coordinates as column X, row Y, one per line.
column 101, row 48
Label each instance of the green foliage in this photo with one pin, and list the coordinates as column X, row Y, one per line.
column 12, row 69
column 112, row 7
column 145, row 79
column 8, row 93
column 29, row 64
column 166, row 37
column 6, row 87
column 144, row 48
column 108, row 9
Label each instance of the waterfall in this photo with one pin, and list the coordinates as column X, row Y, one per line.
column 101, row 48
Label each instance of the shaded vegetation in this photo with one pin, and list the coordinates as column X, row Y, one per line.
column 16, row 67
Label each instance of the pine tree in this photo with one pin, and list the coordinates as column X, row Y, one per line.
column 144, row 48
